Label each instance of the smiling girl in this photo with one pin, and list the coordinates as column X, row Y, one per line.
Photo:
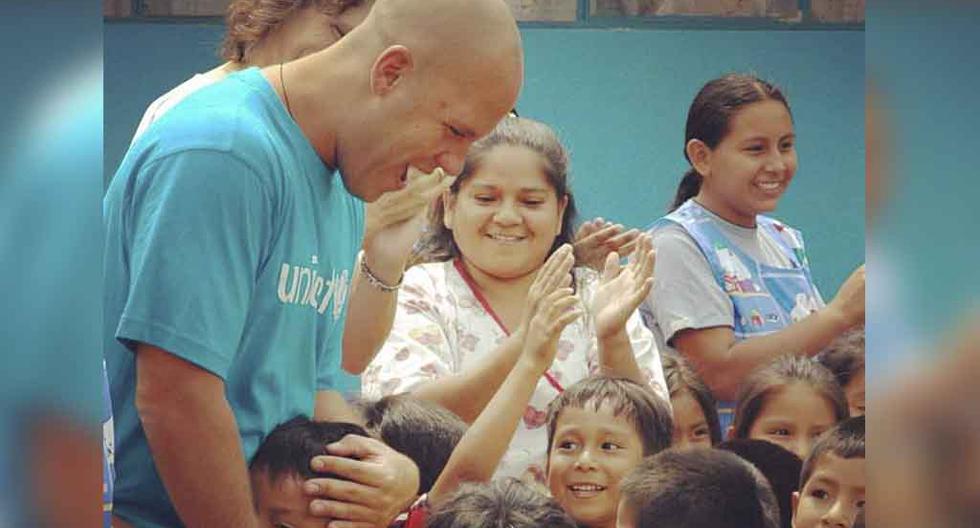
column 734, row 289
column 462, row 317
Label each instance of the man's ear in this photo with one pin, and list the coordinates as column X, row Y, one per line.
column 700, row 155
column 390, row 68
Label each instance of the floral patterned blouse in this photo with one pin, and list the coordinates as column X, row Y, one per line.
column 441, row 327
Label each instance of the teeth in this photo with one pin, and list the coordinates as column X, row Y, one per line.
column 587, row 487
column 769, row 186
column 506, row 238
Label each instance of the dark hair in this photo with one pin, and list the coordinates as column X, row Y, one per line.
column 680, row 377
column 505, row 503
column 784, row 371
column 438, row 244
column 711, row 113
column 423, row 431
column 699, row 486
column 248, row 22
column 641, row 406
column 780, row 466
column 845, row 440
column 287, row 450
column 845, row 355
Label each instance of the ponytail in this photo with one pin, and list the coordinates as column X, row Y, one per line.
column 688, row 188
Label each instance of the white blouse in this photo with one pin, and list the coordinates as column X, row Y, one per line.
column 441, row 327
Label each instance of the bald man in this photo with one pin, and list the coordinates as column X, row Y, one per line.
column 231, row 230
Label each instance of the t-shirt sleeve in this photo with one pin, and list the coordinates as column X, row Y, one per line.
column 418, row 348
column 197, row 227
column 685, row 293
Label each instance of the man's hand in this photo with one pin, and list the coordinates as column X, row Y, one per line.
column 394, row 222
column 378, row 483
column 596, row 238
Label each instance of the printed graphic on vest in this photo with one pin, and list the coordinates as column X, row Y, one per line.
column 736, row 276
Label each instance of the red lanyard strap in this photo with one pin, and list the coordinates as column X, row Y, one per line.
column 468, row 279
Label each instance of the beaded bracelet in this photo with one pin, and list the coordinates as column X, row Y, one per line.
column 375, row 281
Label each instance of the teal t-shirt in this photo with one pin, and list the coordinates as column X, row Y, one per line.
column 229, row 244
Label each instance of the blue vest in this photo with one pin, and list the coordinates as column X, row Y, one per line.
column 765, row 298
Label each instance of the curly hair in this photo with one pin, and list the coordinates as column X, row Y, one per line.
column 248, row 22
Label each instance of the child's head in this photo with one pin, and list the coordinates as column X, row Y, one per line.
column 505, row 502
column 780, row 467
column 789, row 403
column 739, row 140
column 598, row 430
column 282, row 464
column 510, row 207
column 845, row 359
column 696, row 487
column 423, row 431
column 832, row 480
column 695, row 412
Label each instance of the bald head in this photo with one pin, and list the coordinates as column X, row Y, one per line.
column 439, row 75
column 475, row 28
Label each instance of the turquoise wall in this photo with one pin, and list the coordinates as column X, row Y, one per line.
column 619, row 100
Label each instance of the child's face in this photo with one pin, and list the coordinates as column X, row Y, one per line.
column 690, row 425
column 282, row 504
column 753, row 164
column 590, row 455
column 833, row 495
column 854, row 390
column 793, row 417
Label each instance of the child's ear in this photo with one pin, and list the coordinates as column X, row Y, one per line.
column 700, row 155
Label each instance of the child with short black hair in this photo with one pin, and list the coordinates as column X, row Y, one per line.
column 780, row 467
column 697, row 487
column 506, row 502
column 695, row 410
column 832, row 482
column 424, row 431
column 789, row 402
column 598, row 430
column 845, row 359
column 282, row 464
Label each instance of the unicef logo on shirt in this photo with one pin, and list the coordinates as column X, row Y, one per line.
column 305, row 286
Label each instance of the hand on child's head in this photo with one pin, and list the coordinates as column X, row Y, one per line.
column 369, row 481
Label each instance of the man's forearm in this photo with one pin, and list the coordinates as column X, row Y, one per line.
column 370, row 314
column 370, row 311
column 194, row 441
